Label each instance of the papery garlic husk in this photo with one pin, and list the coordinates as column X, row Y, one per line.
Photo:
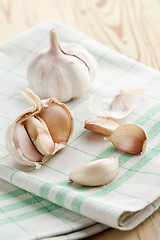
column 63, row 71
column 40, row 131
column 102, row 125
column 130, row 138
column 97, row 173
column 118, row 106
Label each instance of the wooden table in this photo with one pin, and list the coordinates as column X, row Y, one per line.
column 128, row 26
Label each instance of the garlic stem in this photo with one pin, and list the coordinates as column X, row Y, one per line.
column 54, row 44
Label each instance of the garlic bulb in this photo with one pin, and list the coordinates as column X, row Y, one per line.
column 130, row 138
column 63, row 71
column 97, row 173
column 101, row 125
column 40, row 131
column 118, row 106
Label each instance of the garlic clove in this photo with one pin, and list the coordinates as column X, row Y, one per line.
column 130, row 138
column 24, row 145
column 59, row 73
column 118, row 106
column 58, row 121
column 101, row 125
column 97, row 173
column 39, row 134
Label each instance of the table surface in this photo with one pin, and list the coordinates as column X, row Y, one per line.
column 127, row 26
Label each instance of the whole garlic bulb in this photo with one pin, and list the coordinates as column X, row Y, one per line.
column 40, row 131
column 63, row 71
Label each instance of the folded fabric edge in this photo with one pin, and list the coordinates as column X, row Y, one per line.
column 86, row 232
column 130, row 220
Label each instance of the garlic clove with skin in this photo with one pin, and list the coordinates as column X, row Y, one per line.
column 101, row 125
column 97, row 173
column 29, row 138
column 130, row 138
column 39, row 134
column 52, row 116
column 61, row 73
column 24, row 145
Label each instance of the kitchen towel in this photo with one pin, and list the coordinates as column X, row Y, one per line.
column 134, row 194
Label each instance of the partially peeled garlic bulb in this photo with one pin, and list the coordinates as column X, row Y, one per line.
column 102, row 125
column 63, row 71
column 97, row 173
column 130, row 138
column 40, row 131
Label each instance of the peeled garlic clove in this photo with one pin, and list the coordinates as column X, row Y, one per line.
column 101, row 125
column 118, row 106
column 130, row 138
column 39, row 134
column 97, row 173
column 62, row 73
column 30, row 139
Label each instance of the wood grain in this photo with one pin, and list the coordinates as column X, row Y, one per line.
column 128, row 26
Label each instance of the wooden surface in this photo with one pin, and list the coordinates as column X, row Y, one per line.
column 128, row 26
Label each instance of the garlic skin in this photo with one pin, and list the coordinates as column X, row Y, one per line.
column 130, row 138
column 97, row 173
column 101, row 125
column 63, row 71
column 116, row 106
column 29, row 139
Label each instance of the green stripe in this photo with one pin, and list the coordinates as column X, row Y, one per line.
column 139, row 198
column 77, row 137
column 60, row 197
column 145, row 172
column 56, row 170
column 12, row 194
column 44, row 190
column 11, row 178
column 21, row 204
column 83, row 151
column 50, row 207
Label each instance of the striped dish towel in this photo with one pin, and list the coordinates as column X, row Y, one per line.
column 47, row 195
